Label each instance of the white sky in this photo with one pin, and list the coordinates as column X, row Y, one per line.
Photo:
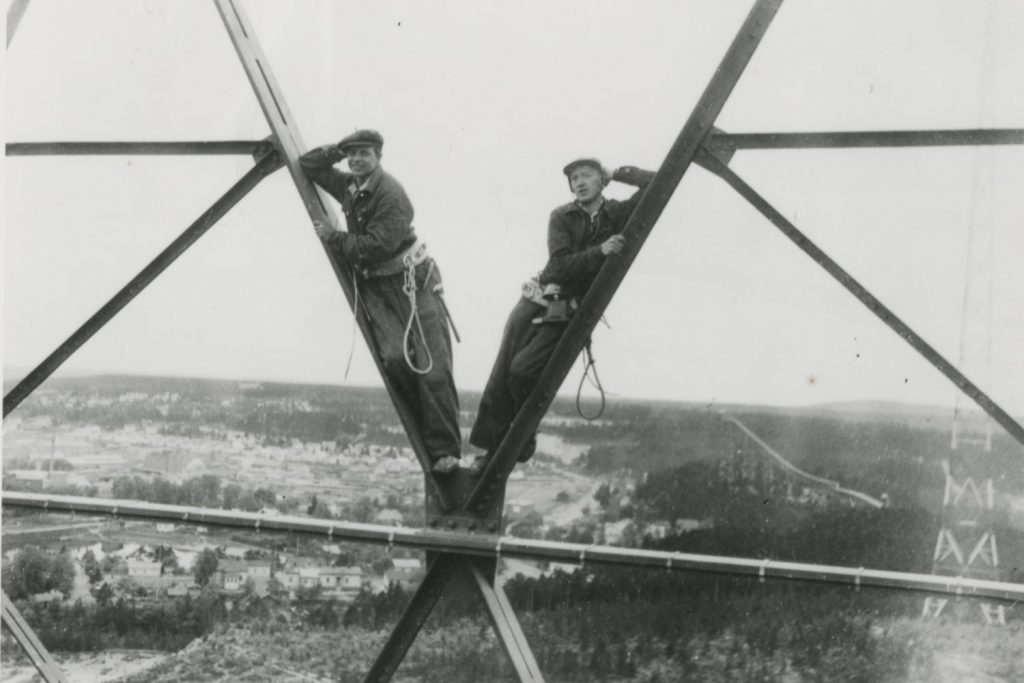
column 481, row 104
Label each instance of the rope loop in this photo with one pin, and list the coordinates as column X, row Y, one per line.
column 589, row 366
column 414, row 316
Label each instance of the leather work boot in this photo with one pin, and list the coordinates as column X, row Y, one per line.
column 446, row 465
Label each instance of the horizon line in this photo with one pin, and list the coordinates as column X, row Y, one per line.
column 14, row 373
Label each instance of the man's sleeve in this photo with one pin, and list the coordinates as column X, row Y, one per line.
column 319, row 167
column 387, row 229
column 630, row 175
column 565, row 264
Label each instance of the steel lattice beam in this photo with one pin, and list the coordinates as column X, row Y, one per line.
column 653, row 202
column 720, row 168
column 289, row 141
column 439, row 574
column 495, row 547
column 29, row 642
column 504, row 620
column 124, row 296
column 730, row 142
column 15, row 12
column 475, row 554
column 256, row 148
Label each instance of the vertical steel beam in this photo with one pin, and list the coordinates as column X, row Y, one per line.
column 908, row 335
column 416, row 612
column 14, row 14
column 289, row 141
column 506, row 625
column 165, row 258
column 658, row 193
column 29, row 642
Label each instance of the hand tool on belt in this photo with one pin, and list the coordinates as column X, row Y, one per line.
column 558, row 307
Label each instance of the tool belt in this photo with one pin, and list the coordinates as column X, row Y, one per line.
column 558, row 308
column 412, row 256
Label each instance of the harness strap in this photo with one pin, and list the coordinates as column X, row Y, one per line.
column 416, row 253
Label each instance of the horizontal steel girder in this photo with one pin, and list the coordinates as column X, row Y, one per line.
column 506, row 546
column 241, row 147
column 720, row 141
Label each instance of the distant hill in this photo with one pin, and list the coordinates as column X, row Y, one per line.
column 870, row 410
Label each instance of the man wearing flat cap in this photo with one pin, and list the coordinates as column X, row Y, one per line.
column 581, row 235
column 397, row 284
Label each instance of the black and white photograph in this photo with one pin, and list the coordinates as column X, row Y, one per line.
column 445, row 341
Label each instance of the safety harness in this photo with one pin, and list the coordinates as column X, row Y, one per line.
column 559, row 309
column 405, row 262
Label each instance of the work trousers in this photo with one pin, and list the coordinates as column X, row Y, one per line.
column 524, row 351
column 431, row 396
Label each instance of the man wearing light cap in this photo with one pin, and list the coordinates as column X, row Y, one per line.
column 581, row 235
column 398, row 285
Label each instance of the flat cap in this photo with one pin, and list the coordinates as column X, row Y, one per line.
column 586, row 161
column 361, row 138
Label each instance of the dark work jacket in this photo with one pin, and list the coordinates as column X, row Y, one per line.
column 379, row 216
column 574, row 239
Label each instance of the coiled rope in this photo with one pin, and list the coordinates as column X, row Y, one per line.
column 414, row 316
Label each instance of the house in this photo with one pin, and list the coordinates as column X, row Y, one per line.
column 389, row 516
column 339, row 579
column 405, row 571
column 27, row 480
column 614, row 531
column 657, row 529
column 51, row 596
column 683, row 526
column 305, row 578
column 232, row 574
column 143, row 569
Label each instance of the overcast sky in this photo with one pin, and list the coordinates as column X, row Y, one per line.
column 481, row 104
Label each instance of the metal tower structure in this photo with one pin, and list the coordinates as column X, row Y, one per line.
column 966, row 542
column 464, row 514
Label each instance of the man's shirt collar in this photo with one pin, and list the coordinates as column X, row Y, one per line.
column 576, row 206
column 369, row 185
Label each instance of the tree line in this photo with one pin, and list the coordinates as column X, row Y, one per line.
column 202, row 491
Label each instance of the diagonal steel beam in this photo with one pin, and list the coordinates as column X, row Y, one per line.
column 440, row 572
column 255, row 148
column 289, row 142
column 730, row 142
column 14, row 13
column 504, row 621
column 29, row 642
column 658, row 193
column 165, row 258
column 969, row 388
